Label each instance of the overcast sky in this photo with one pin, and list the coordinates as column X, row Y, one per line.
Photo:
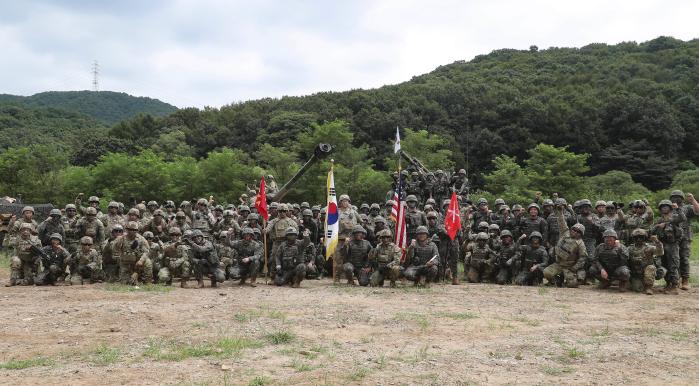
column 215, row 52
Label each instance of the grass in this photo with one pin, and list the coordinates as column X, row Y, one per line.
column 543, row 290
column 4, row 260
column 551, row 370
column 156, row 288
column 458, row 315
column 528, row 322
column 421, row 320
column 574, row 353
column 358, row 374
column 105, row 355
column 280, row 337
column 259, row 381
column 301, row 366
column 248, row 316
column 172, row 351
column 19, row 364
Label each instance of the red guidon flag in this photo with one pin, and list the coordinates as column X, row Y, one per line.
column 261, row 201
column 452, row 222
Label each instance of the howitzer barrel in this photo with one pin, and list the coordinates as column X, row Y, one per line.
column 321, row 151
column 415, row 162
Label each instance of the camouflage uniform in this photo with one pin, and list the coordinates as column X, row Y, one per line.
column 570, row 254
column 25, row 264
column 52, row 225
column 507, row 254
column 384, row 261
column 356, row 258
column 91, row 226
column 249, row 250
column 669, row 231
column 614, row 260
column 347, row 219
column 644, row 261
column 85, row 264
column 53, row 268
column 479, row 261
column 276, row 230
column 132, row 253
column 155, row 253
column 70, row 229
column 418, row 256
column 204, row 260
column 686, row 241
column 176, row 260
column 290, row 260
column 530, row 256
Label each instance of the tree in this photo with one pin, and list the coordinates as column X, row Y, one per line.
column 172, row 144
column 557, row 170
column 509, row 181
column 431, row 149
column 128, row 178
column 616, row 186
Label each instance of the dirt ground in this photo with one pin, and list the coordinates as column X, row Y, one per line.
column 325, row 334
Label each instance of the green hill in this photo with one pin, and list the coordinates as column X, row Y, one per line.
column 106, row 107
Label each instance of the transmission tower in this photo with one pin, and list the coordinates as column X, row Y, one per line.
column 95, row 76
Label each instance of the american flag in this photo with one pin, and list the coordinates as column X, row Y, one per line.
column 398, row 217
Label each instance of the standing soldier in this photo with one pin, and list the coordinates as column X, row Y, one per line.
column 157, row 226
column 610, row 262
column 590, row 223
column 639, row 217
column 248, row 254
column 92, row 202
column 690, row 211
column 570, row 254
column 70, row 222
column 132, row 252
column 534, row 222
column 203, row 220
column 356, row 257
column 668, row 229
column 644, row 261
column 180, row 222
column 50, row 226
column 85, row 264
column 91, row 226
column 384, row 260
column 347, row 218
column 414, row 217
column 290, row 260
column 112, row 217
column 276, row 230
column 110, row 260
column 423, row 258
column 25, row 264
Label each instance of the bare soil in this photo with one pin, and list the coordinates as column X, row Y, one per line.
column 325, row 334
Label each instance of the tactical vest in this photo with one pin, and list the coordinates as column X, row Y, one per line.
column 424, row 253
column 90, row 228
column 590, row 224
column 384, row 255
column 280, row 226
column 358, row 251
column 610, row 258
column 289, row 255
column 414, row 219
column 479, row 255
column 532, row 256
column 131, row 255
column 568, row 251
column 641, row 257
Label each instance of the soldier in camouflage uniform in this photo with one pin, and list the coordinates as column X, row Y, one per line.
column 668, row 229
column 203, row 219
column 508, row 252
column 414, row 217
column 132, row 251
column 483, row 214
column 590, row 223
column 448, row 249
column 176, row 260
column 610, row 220
column 180, row 222
column 226, row 254
column 384, row 260
column 70, row 222
column 276, row 230
column 204, row 260
column 85, row 264
column 110, row 261
column 25, row 264
column 50, row 226
column 570, row 255
column 16, row 224
column 530, row 261
column 91, row 226
column 112, row 217
column 356, row 257
column 552, row 223
column 611, row 261
column 155, row 254
column 645, row 261
column 690, row 211
column 534, row 222
column 347, row 218
column 290, row 260
column 92, row 202
column 53, row 267
column 640, row 217
column 248, row 254
column 423, row 259
column 157, row 226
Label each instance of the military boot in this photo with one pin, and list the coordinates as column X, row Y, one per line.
column 685, row 284
column 648, row 289
column 214, row 283
column 241, row 282
column 11, row 283
column 622, row 285
column 252, row 282
column 183, row 283
column 200, row 283
column 603, row 284
column 392, row 284
column 296, row 283
column 350, row 281
column 455, row 280
column 672, row 289
column 134, row 279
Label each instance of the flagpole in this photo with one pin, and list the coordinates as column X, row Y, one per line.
column 332, row 171
column 265, row 269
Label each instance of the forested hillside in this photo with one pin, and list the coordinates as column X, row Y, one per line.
column 629, row 109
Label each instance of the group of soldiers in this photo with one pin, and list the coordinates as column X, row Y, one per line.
column 565, row 244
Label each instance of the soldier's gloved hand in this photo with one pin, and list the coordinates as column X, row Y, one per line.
column 246, row 260
column 279, row 267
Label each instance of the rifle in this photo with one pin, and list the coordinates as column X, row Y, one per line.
column 45, row 259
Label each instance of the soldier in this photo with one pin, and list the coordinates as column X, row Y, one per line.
column 110, row 261
column 276, row 230
column 610, row 220
column 85, row 264
column 644, row 261
column 16, row 225
column 180, row 222
column 414, row 186
column 205, row 262
column 347, row 218
column 52, row 262
column 509, row 252
column 70, row 222
column 248, row 254
column 552, row 223
column 155, row 254
column 290, row 260
column 690, row 211
column 448, row 249
column 423, row 258
column 157, row 226
column 243, row 212
column 570, row 254
column 534, row 222
column 176, row 261
column 112, row 217
column 379, row 225
column 414, row 217
column 483, row 214
column 459, row 183
column 479, row 259
column 226, row 254
column 132, row 252
column 307, row 222
column 611, row 261
column 533, row 258
column 668, row 229
column 91, row 226
column 640, row 217
column 50, row 226
column 203, row 220
column 186, row 208
column 356, row 257
column 363, row 209
column 25, row 264
column 590, row 223
column 169, row 210
column 92, row 202
column 384, row 260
